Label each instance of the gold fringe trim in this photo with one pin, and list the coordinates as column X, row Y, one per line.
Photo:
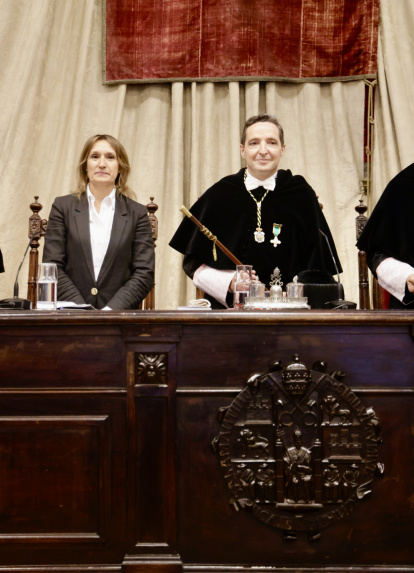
column 370, row 134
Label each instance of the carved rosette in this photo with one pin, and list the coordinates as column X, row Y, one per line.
column 297, row 448
column 151, row 368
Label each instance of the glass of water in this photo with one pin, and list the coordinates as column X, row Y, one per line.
column 242, row 285
column 47, row 286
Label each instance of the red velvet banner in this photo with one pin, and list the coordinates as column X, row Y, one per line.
column 167, row 40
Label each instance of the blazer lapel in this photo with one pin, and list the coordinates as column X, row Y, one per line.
column 82, row 222
column 118, row 226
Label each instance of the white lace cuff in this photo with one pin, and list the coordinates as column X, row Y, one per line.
column 214, row 282
column 392, row 275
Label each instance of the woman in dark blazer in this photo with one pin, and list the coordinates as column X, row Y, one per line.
column 99, row 237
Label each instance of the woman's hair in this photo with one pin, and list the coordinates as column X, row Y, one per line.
column 123, row 162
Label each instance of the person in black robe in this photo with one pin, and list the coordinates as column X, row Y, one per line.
column 388, row 240
column 230, row 210
column 1, row 263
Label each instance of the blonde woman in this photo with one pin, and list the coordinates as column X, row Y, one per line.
column 99, row 237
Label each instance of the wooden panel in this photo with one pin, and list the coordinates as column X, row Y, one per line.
column 62, row 472
column 380, row 366
column 211, row 531
column 62, row 445
column 229, row 355
column 151, row 385
column 106, row 424
column 57, row 358
column 64, row 460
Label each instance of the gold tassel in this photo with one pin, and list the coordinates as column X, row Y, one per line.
column 213, row 238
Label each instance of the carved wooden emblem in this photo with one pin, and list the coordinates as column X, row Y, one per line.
column 298, row 448
column 151, row 368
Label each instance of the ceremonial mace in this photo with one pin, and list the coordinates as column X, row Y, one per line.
column 210, row 236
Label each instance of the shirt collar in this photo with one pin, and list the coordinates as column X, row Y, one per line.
column 111, row 197
column 252, row 182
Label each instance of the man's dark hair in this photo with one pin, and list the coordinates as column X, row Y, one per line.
column 264, row 117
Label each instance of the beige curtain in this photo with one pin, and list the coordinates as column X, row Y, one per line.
column 394, row 117
column 180, row 137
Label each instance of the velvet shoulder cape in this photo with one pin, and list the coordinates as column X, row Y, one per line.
column 390, row 228
column 230, row 213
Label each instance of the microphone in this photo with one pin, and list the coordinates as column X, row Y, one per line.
column 17, row 303
column 339, row 304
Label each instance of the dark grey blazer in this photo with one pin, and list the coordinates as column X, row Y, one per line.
column 127, row 272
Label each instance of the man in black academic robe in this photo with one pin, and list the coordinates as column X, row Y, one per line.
column 388, row 240
column 238, row 214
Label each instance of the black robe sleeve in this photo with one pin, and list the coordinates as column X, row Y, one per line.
column 389, row 229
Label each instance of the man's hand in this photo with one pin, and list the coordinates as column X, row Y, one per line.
column 410, row 283
column 254, row 278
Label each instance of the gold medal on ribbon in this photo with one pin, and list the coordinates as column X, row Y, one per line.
column 277, row 227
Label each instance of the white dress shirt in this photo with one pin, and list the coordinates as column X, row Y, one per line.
column 100, row 227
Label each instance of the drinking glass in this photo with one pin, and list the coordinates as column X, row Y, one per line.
column 257, row 290
column 47, row 286
column 242, row 285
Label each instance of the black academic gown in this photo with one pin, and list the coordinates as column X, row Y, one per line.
column 230, row 213
column 389, row 231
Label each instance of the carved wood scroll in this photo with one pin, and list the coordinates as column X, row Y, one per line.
column 298, row 449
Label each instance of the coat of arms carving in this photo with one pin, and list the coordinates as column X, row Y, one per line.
column 297, row 448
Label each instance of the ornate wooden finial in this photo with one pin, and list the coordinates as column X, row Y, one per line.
column 361, row 208
column 361, row 219
column 37, row 229
column 149, row 302
column 363, row 281
column 152, row 208
column 37, row 226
